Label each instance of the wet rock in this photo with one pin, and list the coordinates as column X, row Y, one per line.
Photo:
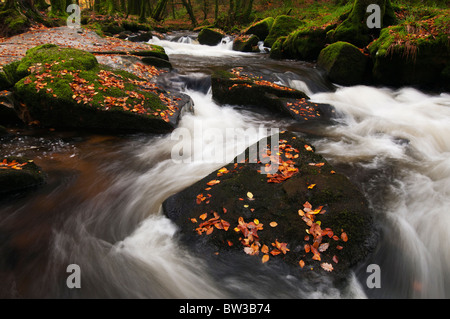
column 240, row 88
column 140, row 37
column 18, row 175
column 222, row 210
column 210, row 36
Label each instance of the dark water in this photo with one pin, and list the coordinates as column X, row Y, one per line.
column 100, row 208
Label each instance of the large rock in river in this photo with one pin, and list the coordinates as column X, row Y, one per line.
column 210, row 36
column 304, row 212
column 65, row 87
column 238, row 87
column 18, row 174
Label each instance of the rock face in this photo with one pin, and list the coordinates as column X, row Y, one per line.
column 282, row 26
column 240, row 88
column 69, row 88
column 18, row 175
column 209, row 36
column 344, row 63
column 305, row 213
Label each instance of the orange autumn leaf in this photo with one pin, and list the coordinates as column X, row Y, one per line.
column 264, row 249
column 265, row 258
column 301, row 263
column 344, row 236
column 213, row 182
column 273, row 224
column 203, row 216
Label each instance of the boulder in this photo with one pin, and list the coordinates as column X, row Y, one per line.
column 260, row 28
column 282, row 26
column 344, row 63
column 354, row 28
column 305, row 44
column 305, row 214
column 68, row 88
column 19, row 174
column 246, row 43
column 210, row 36
column 403, row 55
column 241, row 88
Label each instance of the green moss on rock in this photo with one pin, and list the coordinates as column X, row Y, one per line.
column 344, row 63
column 403, row 56
column 246, row 43
column 282, row 26
column 260, row 28
column 305, row 43
column 67, row 88
column 354, row 28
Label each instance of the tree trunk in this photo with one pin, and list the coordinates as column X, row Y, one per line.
column 188, row 6
column 159, row 11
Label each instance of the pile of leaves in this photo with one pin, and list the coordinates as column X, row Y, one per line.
column 5, row 164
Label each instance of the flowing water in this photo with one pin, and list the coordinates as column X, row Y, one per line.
column 101, row 206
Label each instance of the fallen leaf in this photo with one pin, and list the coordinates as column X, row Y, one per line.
column 327, row 267
column 301, row 263
column 265, row 258
column 273, row 224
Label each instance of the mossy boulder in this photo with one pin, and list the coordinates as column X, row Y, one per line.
column 210, row 36
column 282, row 26
column 402, row 55
column 238, row 87
column 260, row 28
column 344, row 63
column 8, row 75
column 219, row 213
column 246, row 43
column 354, row 28
column 68, row 88
column 18, row 174
column 305, row 43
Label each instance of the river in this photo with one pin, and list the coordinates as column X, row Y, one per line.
column 101, row 206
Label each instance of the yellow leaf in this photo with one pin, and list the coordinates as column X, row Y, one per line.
column 311, row 186
column 249, row 195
